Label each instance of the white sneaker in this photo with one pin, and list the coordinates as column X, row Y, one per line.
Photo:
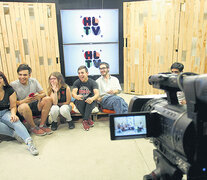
column 32, row 148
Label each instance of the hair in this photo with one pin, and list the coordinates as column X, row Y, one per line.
column 60, row 78
column 178, row 66
column 104, row 63
column 83, row 67
column 24, row 67
column 5, row 79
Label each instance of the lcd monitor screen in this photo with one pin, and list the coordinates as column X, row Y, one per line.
column 128, row 126
column 89, row 26
column 90, row 55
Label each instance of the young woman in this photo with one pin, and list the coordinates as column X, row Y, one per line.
column 9, row 122
column 61, row 95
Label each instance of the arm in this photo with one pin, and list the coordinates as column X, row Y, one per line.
column 38, row 96
column 68, row 97
column 93, row 98
column 13, row 107
column 75, row 95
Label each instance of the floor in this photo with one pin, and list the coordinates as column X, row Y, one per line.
column 77, row 154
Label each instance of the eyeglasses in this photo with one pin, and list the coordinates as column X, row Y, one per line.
column 102, row 68
column 52, row 79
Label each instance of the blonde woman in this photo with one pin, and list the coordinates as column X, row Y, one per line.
column 60, row 93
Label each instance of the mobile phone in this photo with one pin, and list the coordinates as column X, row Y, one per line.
column 31, row 95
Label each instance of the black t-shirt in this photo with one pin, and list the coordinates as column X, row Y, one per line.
column 85, row 88
column 5, row 103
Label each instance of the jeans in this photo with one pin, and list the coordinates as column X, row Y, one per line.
column 64, row 110
column 115, row 103
column 84, row 108
column 10, row 128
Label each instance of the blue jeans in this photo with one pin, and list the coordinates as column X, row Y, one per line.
column 115, row 103
column 9, row 128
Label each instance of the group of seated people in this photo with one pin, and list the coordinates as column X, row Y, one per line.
column 24, row 98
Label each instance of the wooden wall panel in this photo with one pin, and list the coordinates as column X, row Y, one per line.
column 28, row 34
column 149, row 32
column 159, row 33
column 192, row 51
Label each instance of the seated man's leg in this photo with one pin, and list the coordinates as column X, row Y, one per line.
column 115, row 103
column 80, row 106
column 88, row 110
column 25, row 111
column 44, row 106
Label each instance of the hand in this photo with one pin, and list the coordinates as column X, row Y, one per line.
column 37, row 96
column 79, row 97
column 55, row 88
column 89, row 100
column 111, row 92
column 14, row 118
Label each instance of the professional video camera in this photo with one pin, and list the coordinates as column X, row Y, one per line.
column 179, row 132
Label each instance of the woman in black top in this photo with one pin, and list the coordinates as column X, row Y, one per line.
column 61, row 95
column 9, row 122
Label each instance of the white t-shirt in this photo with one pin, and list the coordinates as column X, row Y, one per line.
column 106, row 85
column 23, row 91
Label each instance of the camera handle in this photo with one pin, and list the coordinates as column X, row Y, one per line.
column 164, row 169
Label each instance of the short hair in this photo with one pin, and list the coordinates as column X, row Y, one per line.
column 178, row 66
column 104, row 63
column 24, row 67
column 5, row 79
column 83, row 67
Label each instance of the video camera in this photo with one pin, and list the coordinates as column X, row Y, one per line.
column 179, row 132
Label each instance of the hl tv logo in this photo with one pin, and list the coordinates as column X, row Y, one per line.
column 91, row 24
column 92, row 58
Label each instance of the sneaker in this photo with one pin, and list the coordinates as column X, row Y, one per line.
column 71, row 125
column 32, row 148
column 85, row 125
column 90, row 123
column 37, row 131
column 46, row 129
column 54, row 126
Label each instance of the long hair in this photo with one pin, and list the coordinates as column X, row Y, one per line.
column 61, row 81
column 5, row 79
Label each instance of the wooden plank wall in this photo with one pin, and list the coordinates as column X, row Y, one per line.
column 155, row 36
column 192, row 47
column 28, row 34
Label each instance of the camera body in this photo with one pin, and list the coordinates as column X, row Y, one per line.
column 178, row 132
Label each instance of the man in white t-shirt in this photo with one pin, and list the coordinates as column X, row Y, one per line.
column 31, row 100
column 109, row 87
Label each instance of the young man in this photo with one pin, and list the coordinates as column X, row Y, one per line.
column 31, row 100
column 85, row 91
column 109, row 87
column 177, row 68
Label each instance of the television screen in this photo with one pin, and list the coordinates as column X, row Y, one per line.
column 89, row 26
column 90, row 55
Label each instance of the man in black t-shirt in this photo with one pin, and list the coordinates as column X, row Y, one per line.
column 85, row 91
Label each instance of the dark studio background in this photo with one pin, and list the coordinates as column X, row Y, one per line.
column 87, row 4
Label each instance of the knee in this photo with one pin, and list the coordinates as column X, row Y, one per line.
column 65, row 109
column 47, row 101
column 54, row 109
column 23, row 108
